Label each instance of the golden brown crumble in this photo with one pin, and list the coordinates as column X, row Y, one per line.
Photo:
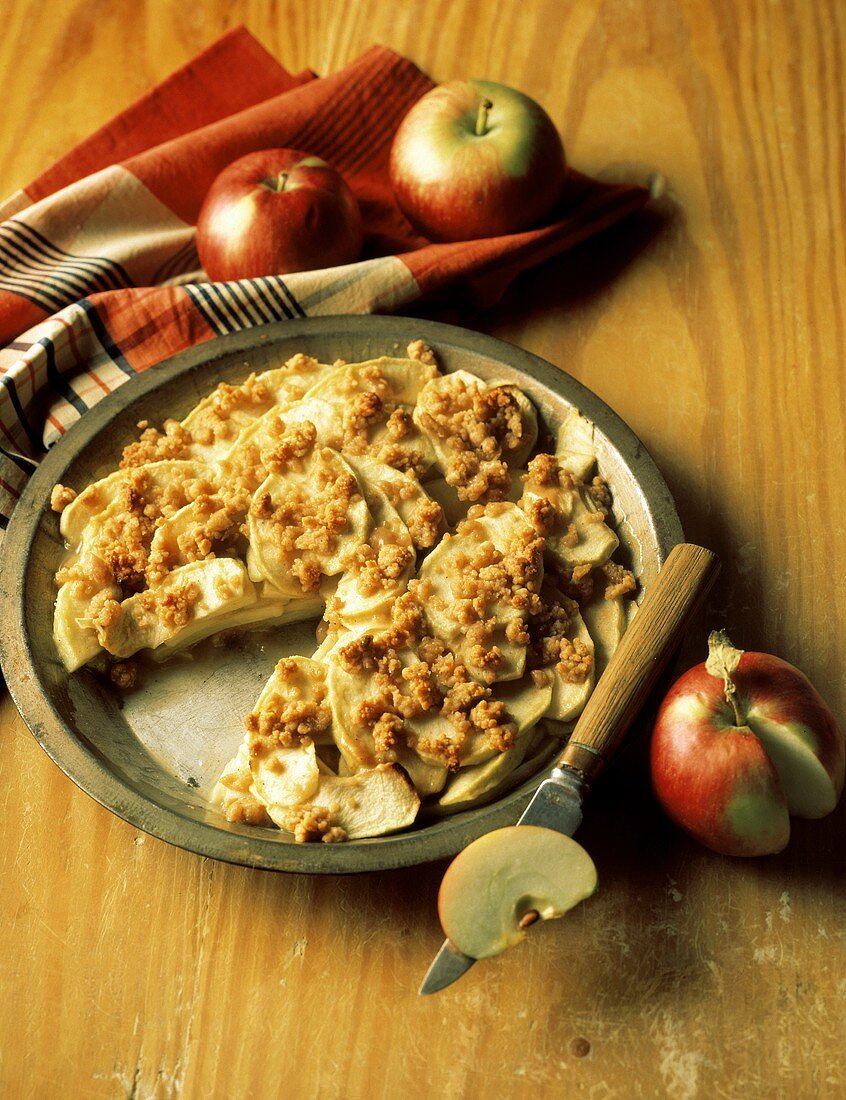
column 620, row 580
column 220, row 521
column 61, row 497
column 487, row 578
column 379, row 570
column 408, row 460
column 421, row 352
column 363, row 411
column 299, row 363
column 89, row 574
column 551, row 622
column 295, row 443
column 544, row 516
column 310, row 823
column 106, row 615
column 574, row 661
column 480, row 426
column 543, row 470
column 425, row 522
column 308, row 521
column 388, row 730
column 176, row 608
column 601, row 495
column 154, row 446
column 245, row 809
column 288, row 722
column 578, row 582
column 399, row 425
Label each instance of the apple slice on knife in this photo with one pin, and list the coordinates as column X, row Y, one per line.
column 507, row 880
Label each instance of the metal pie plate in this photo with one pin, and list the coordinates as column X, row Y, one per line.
column 153, row 755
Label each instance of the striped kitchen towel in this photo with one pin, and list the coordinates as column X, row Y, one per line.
column 99, row 277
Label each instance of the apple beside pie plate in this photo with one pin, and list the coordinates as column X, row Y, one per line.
column 153, row 755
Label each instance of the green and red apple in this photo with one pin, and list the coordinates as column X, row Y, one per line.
column 473, row 158
column 741, row 742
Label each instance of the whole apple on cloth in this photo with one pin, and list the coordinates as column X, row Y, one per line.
column 476, row 159
column 276, row 211
column 111, row 231
column 740, row 743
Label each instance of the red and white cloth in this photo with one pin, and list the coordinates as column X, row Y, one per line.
column 99, row 277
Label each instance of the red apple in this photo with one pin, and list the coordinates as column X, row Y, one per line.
column 277, row 211
column 476, row 159
column 741, row 742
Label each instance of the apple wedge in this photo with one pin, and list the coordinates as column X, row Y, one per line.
column 233, row 793
column 73, row 631
column 470, row 784
column 455, row 509
column 505, row 881
column 398, row 381
column 575, row 529
column 605, row 620
column 382, row 568
column 480, row 549
column 347, row 692
column 216, row 423
column 284, row 777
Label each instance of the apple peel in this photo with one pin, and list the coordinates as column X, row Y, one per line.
column 506, row 881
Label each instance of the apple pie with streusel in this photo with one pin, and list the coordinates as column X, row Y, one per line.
column 463, row 579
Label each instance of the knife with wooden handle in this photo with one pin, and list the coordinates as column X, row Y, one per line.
column 646, row 647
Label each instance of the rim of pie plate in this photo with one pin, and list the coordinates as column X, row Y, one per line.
column 78, row 720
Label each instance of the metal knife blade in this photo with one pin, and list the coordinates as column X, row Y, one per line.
column 447, row 967
column 556, row 804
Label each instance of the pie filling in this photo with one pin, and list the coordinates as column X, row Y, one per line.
column 466, row 582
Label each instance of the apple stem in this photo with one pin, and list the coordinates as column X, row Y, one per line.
column 482, row 117
column 529, row 918
column 723, row 659
column 281, row 181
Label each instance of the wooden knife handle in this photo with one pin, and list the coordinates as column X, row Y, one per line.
column 646, row 647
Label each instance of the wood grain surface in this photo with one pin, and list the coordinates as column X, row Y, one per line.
column 715, row 327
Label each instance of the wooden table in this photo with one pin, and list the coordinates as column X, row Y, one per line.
column 716, row 329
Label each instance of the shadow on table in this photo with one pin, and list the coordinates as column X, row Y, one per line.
column 573, row 279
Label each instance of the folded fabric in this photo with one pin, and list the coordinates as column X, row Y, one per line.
column 99, row 276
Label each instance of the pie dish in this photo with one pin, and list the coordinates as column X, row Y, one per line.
column 154, row 754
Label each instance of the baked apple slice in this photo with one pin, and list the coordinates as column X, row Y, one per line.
column 477, row 429
column 192, row 602
column 372, row 802
column 575, row 446
column 563, row 511
column 305, row 523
